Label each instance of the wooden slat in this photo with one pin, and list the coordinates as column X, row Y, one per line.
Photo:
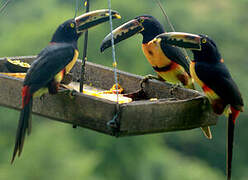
column 165, row 115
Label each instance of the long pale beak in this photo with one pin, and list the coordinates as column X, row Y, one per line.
column 93, row 18
column 123, row 32
column 181, row 39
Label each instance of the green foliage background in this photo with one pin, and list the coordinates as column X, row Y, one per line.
column 56, row 151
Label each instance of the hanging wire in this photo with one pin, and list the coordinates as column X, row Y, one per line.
column 87, row 4
column 4, row 5
column 114, row 124
column 170, row 24
column 76, row 9
column 113, row 54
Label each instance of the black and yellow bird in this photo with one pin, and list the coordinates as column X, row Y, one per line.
column 52, row 63
column 168, row 61
column 209, row 71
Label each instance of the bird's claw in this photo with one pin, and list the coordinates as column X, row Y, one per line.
column 174, row 87
column 146, row 78
column 70, row 92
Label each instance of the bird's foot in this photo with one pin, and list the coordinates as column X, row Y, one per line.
column 71, row 93
column 174, row 87
column 68, row 91
column 149, row 76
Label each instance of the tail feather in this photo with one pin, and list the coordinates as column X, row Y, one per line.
column 30, row 118
column 207, row 132
column 24, row 124
column 231, row 124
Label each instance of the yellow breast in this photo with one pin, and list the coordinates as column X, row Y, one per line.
column 154, row 54
column 156, row 57
column 58, row 78
column 193, row 74
column 71, row 64
column 209, row 92
column 60, row 75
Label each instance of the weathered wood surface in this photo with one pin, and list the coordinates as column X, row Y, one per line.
column 176, row 108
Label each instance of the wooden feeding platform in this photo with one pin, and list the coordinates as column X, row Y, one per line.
column 167, row 108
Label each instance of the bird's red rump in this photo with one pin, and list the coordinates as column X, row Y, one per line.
column 235, row 114
column 25, row 95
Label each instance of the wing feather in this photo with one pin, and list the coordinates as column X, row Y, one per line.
column 175, row 54
column 49, row 62
column 217, row 77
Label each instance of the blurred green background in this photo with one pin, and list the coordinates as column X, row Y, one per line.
column 57, row 151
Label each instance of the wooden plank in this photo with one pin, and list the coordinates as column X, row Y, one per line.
column 176, row 108
column 165, row 115
column 82, row 110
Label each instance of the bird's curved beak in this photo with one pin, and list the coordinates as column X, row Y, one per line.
column 181, row 39
column 123, row 32
column 93, row 18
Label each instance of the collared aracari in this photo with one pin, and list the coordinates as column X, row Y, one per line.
column 168, row 61
column 52, row 63
column 209, row 71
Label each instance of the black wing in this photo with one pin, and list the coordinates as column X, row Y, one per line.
column 49, row 62
column 217, row 77
column 175, row 54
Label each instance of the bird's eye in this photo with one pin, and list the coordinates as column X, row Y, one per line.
column 141, row 20
column 72, row 25
column 204, row 40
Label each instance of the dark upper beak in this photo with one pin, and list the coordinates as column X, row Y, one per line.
column 180, row 39
column 93, row 18
column 122, row 32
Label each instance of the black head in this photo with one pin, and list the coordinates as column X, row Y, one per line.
column 66, row 32
column 71, row 29
column 209, row 51
column 147, row 25
column 152, row 27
